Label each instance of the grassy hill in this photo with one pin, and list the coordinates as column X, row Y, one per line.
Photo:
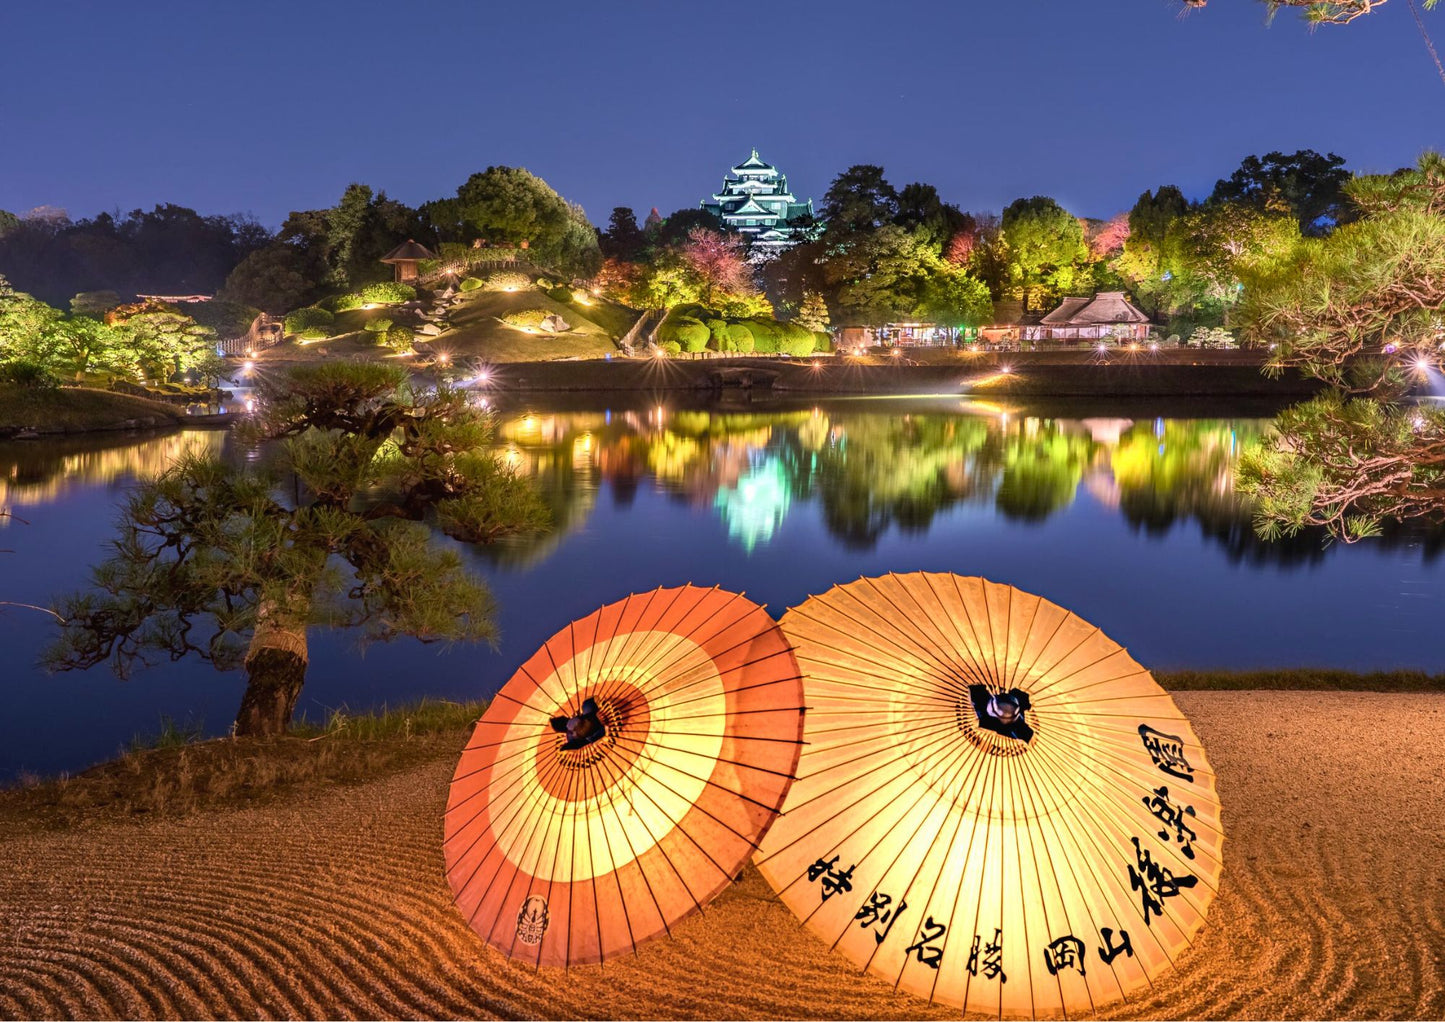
column 79, row 409
column 479, row 330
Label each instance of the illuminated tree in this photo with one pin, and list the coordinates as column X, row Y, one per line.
column 813, row 312
column 718, row 263
column 859, row 199
column 1364, row 310
column 1045, row 250
column 214, row 561
column 1304, row 184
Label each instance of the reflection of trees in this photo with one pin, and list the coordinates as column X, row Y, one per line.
column 1041, row 472
column 1179, row 469
column 879, row 470
column 36, row 473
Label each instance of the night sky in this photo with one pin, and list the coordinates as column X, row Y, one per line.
column 268, row 106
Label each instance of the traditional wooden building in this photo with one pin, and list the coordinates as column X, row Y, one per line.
column 755, row 200
column 404, row 257
column 1108, row 315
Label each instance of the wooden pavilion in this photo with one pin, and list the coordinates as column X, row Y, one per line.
column 404, row 257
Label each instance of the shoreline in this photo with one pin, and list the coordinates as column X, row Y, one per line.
column 330, row 899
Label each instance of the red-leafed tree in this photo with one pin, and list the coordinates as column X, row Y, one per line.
column 719, row 264
column 1108, row 240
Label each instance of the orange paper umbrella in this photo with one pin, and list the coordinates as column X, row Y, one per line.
column 623, row 776
column 996, row 807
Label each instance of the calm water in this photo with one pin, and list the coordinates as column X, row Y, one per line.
column 1124, row 517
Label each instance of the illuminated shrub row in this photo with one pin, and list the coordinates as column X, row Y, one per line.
column 310, row 323
column 524, row 318
column 764, row 336
column 508, row 280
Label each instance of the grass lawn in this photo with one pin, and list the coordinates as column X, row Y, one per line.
column 74, row 409
column 478, row 331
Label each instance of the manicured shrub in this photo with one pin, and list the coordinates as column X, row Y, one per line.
column 310, row 322
column 526, row 318
column 671, row 347
column 693, row 336
column 508, row 280
column 379, row 325
column 387, row 292
column 765, row 335
column 27, row 373
column 822, row 340
column 718, row 328
column 560, row 294
column 795, row 340
column 397, row 338
column 342, row 302
column 471, row 284
column 684, row 329
column 740, row 339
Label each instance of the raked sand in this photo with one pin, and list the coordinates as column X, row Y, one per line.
column 332, row 902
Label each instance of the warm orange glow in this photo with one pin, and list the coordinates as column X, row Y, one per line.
column 605, row 780
column 1012, row 775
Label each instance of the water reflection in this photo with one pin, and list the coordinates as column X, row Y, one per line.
column 870, row 471
column 34, row 473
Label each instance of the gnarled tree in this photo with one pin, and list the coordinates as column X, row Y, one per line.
column 233, row 565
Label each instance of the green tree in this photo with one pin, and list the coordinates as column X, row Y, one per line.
column 623, row 239
column 1045, row 250
column 859, row 199
column 510, row 205
column 1364, row 310
column 1142, row 264
column 1304, row 184
column 213, row 561
column 25, row 323
column 813, row 312
column 276, row 279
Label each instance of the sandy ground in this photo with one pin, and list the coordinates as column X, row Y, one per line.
column 332, row 903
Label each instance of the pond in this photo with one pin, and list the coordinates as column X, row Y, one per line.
column 1122, row 514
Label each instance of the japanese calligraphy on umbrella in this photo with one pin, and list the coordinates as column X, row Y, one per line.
column 623, row 775
column 996, row 806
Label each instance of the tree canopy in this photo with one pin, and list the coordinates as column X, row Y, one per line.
column 223, row 563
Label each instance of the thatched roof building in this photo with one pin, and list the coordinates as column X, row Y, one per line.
column 1107, row 314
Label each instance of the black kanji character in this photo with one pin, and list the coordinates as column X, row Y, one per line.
column 879, row 911
column 992, row 957
column 927, row 954
column 1065, row 953
column 1172, row 816
column 1167, row 752
column 1155, row 882
column 1110, row 950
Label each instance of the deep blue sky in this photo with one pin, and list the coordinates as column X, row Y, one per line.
column 272, row 105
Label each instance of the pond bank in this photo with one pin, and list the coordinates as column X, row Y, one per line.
column 330, row 900
column 27, row 413
column 1026, row 374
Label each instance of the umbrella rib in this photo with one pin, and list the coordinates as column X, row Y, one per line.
column 1043, row 819
column 1088, row 825
column 888, row 650
column 636, row 856
column 1097, row 818
column 946, row 660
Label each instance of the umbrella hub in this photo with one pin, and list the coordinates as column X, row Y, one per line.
column 589, row 732
column 1000, row 722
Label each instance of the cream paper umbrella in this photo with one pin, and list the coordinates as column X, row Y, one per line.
column 995, row 807
column 623, row 776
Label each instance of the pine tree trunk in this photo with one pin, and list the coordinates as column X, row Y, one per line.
column 275, row 671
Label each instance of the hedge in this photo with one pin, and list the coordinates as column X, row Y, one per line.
column 471, row 284
column 673, row 348
column 526, row 318
column 341, row 303
column 508, row 280
column 309, row 322
column 740, row 339
column 560, row 294
column 379, row 325
column 397, row 338
column 388, row 292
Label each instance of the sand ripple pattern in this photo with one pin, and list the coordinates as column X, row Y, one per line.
column 334, row 903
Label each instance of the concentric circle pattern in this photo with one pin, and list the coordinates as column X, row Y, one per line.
column 566, row 855
column 996, row 807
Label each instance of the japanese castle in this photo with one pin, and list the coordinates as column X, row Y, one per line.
column 755, row 200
